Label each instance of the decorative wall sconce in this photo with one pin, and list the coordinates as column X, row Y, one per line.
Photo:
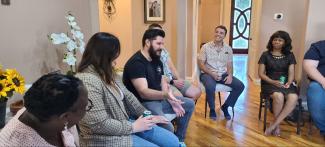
column 109, row 8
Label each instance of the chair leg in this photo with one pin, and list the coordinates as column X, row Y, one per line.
column 206, row 105
column 219, row 98
column 310, row 125
column 233, row 113
column 266, row 105
column 259, row 112
column 299, row 116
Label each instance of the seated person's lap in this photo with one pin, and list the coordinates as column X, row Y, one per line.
column 157, row 136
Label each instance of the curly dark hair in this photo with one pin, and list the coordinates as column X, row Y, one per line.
column 52, row 95
column 286, row 49
column 101, row 50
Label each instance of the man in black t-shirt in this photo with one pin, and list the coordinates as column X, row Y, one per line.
column 143, row 76
column 314, row 65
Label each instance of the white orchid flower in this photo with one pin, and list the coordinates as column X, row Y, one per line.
column 75, row 27
column 72, row 23
column 70, row 59
column 71, row 45
column 77, row 34
column 81, row 46
column 59, row 38
column 70, row 17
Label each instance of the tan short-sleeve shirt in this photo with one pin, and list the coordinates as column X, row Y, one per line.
column 216, row 59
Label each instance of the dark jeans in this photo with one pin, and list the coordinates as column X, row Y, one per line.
column 163, row 107
column 210, row 87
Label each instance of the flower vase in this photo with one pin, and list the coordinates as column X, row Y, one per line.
column 3, row 106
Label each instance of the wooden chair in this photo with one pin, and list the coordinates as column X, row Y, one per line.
column 265, row 102
column 219, row 88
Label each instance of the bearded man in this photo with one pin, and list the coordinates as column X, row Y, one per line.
column 143, row 76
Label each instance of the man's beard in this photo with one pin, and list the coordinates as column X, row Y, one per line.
column 153, row 53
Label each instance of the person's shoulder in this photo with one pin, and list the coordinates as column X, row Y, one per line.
column 319, row 44
column 164, row 52
column 291, row 53
column 88, row 77
column 227, row 47
column 137, row 57
column 15, row 133
column 265, row 53
column 207, row 45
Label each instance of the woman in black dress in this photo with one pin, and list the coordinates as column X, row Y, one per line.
column 276, row 70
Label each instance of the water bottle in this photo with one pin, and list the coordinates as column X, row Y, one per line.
column 282, row 80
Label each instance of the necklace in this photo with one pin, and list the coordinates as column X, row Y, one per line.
column 278, row 57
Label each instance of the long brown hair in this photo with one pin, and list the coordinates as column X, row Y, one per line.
column 101, row 50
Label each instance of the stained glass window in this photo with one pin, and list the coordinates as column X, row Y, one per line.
column 241, row 23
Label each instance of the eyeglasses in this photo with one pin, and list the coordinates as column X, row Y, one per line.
column 90, row 105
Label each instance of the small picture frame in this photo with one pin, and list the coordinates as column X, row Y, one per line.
column 154, row 11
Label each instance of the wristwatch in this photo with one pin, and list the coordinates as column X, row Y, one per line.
column 171, row 82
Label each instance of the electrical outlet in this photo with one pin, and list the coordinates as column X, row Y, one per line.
column 278, row 16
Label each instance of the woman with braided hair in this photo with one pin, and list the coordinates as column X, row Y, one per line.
column 53, row 106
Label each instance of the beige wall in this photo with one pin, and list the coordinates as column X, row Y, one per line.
column 209, row 19
column 315, row 28
column 128, row 25
column 293, row 21
column 25, row 25
column 225, row 16
column 120, row 25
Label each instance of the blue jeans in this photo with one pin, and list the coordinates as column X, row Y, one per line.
column 316, row 104
column 210, row 87
column 163, row 107
column 155, row 137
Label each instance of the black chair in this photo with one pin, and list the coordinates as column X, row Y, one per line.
column 265, row 102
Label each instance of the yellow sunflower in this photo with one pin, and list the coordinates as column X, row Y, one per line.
column 16, row 80
column 3, row 88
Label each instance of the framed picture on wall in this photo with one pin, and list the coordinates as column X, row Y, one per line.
column 154, row 11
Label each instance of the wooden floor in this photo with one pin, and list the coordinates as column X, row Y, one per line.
column 245, row 129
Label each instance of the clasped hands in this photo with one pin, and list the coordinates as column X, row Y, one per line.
column 227, row 80
column 146, row 123
column 279, row 84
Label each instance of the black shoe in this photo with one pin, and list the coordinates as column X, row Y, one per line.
column 225, row 112
column 213, row 115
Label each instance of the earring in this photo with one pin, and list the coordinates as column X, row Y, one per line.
column 66, row 126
